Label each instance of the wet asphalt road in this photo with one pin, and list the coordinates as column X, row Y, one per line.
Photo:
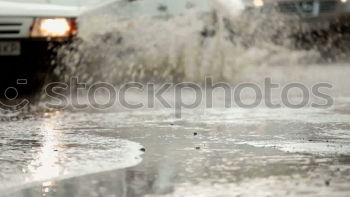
column 216, row 152
column 209, row 152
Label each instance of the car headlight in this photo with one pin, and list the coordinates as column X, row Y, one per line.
column 54, row 27
column 258, row 3
column 344, row 1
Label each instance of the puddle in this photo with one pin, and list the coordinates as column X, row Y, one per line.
column 39, row 150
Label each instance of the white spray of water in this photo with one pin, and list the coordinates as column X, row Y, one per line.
column 220, row 43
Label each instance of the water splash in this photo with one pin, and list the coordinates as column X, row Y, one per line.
column 190, row 46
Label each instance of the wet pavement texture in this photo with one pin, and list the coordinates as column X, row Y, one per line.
column 212, row 152
column 209, row 152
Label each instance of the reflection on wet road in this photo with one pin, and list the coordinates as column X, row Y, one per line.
column 216, row 152
column 40, row 149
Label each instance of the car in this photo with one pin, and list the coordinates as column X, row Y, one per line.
column 319, row 25
column 309, row 14
column 30, row 31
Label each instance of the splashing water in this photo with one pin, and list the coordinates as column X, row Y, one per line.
column 221, row 42
column 219, row 39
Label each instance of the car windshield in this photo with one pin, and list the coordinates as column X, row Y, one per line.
column 63, row 2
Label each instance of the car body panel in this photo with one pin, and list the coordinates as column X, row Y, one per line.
column 17, row 9
column 15, row 27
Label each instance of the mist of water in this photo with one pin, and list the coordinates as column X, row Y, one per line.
column 223, row 43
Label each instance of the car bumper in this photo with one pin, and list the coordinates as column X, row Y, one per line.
column 28, row 70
